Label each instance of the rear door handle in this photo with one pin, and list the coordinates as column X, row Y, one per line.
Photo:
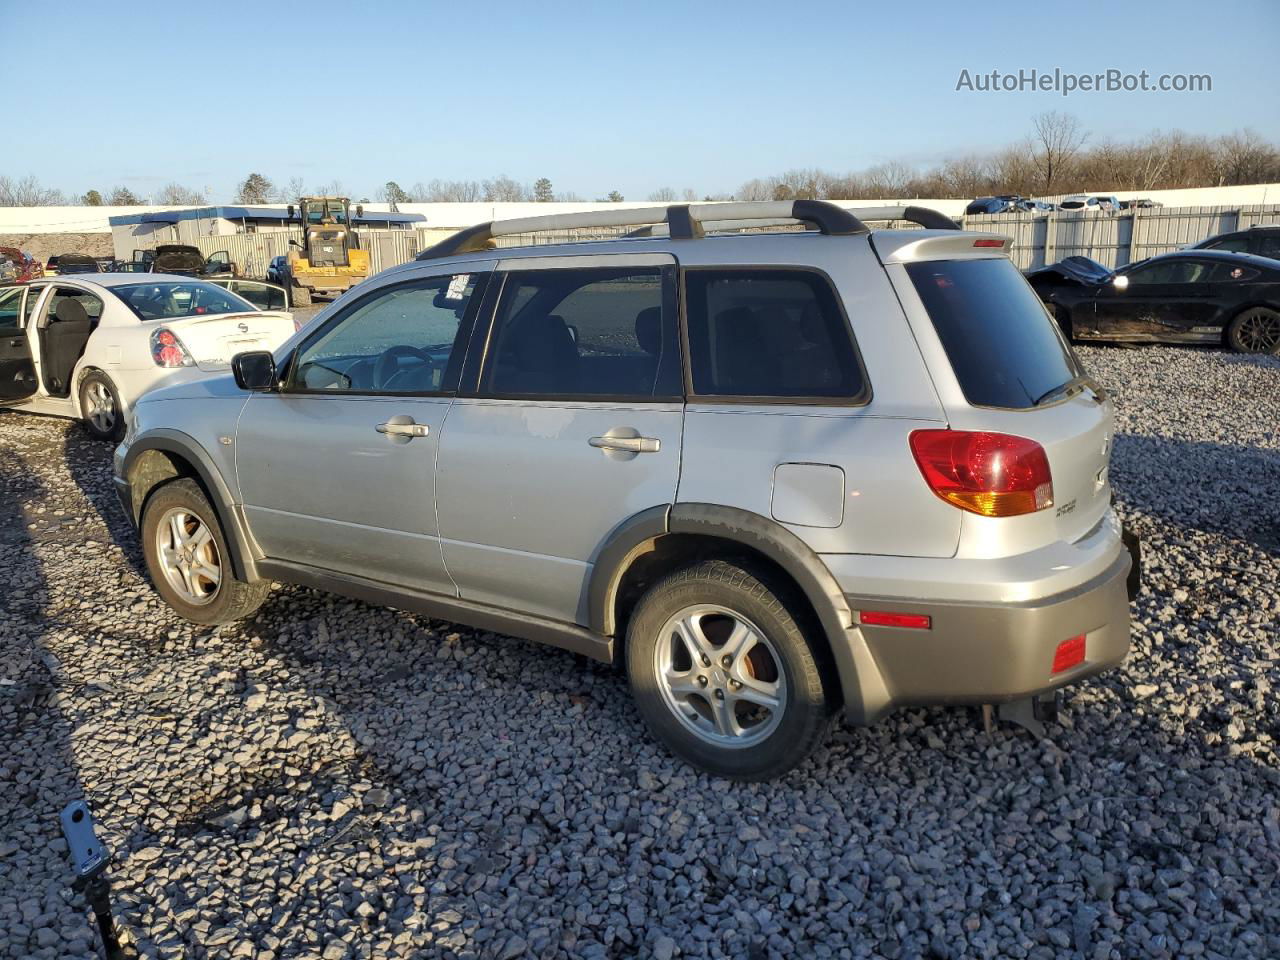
column 627, row 444
column 403, row 426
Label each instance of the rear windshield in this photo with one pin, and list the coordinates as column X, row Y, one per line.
column 169, row 301
column 1003, row 347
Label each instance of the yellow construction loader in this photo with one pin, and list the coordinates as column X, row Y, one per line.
column 329, row 259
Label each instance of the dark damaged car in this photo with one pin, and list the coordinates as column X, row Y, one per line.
column 186, row 261
column 1191, row 296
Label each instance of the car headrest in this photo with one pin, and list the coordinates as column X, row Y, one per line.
column 71, row 311
column 649, row 330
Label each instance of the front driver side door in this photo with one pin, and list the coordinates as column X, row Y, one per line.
column 337, row 468
column 17, row 369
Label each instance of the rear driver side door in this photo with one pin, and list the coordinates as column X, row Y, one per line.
column 571, row 425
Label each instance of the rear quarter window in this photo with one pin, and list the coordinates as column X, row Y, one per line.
column 1005, row 350
column 769, row 333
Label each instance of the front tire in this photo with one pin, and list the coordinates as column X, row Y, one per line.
column 1255, row 330
column 100, row 409
column 187, row 557
column 723, row 675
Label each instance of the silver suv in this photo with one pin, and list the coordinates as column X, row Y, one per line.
column 777, row 474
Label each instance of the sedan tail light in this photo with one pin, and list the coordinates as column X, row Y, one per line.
column 990, row 474
column 167, row 350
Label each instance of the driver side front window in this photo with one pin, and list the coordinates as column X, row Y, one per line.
column 397, row 341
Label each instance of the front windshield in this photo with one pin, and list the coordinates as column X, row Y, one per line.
column 170, row 301
column 332, row 211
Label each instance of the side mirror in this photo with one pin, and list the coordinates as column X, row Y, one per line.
column 1121, row 282
column 254, row 371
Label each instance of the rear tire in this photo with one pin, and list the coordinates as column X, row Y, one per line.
column 715, row 712
column 100, row 409
column 187, row 557
column 1255, row 330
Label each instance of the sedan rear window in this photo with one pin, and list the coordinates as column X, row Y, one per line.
column 169, row 301
column 1005, row 350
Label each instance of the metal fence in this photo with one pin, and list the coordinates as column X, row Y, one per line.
column 1113, row 239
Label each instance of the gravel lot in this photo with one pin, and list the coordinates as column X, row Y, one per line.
column 336, row 780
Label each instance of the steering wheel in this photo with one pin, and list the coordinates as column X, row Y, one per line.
column 388, row 364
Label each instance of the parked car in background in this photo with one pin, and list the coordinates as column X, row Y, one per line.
column 70, row 263
column 185, row 260
column 770, row 506
column 8, row 271
column 1263, row 241
column 277, row 270
column 88, row 346
column 25, row 267
column 1140, row 204
column 1189, row 296
column 1083, row 202
column 989, row 205
column 1034, row 206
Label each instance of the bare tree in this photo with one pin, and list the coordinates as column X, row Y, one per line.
column 755, row 190
column 502, row 189
column 291, row 191
column 688, row 195
column 1057, row 140
column 178, row 195
column 892, row 179
column 663, row 195
column 27, row 192
column 568, row 196
column 1244, row 157
column 447, row 191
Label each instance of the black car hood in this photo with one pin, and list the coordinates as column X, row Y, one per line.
column 1080, row 269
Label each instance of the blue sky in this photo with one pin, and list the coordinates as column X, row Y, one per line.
column 596, row 96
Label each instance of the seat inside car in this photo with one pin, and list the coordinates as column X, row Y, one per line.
column 62, row 342
column 538, row 356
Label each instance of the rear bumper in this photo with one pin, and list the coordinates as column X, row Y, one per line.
column 975, row 653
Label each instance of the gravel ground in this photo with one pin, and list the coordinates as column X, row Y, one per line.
column 336, row 780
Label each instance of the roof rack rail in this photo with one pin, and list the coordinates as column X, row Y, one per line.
column 683, row 222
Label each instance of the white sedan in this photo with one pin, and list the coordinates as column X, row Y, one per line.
column 88, row 346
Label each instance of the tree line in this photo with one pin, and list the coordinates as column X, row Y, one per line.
column 1056, row 157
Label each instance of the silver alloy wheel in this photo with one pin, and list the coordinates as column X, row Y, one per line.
column 188, row 556
column 720, row 675
column 102, row 406
column 1259, row 330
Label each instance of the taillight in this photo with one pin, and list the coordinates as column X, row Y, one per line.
column 990, row 474
column 167, row 350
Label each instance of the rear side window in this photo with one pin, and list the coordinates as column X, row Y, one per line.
column 591, row 332
column 769, row 333
column 1003, row 347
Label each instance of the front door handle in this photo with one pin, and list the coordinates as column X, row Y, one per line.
column 403, row 426
column 627, row 444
